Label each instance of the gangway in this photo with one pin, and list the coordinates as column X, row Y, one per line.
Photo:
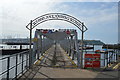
column 67, row 38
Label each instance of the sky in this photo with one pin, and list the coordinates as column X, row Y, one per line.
column 99, row 16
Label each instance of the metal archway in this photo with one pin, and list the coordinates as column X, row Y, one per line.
column 56, row 16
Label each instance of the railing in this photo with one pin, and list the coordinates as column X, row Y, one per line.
column 14, row 65
column 105, row 59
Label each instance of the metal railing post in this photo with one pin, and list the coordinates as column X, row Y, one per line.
column 26, row 60
column 8, row 65
column 22, row 63
column 77, row 50
column 16, row 66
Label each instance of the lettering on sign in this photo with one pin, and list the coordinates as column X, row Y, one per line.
column 58, row 16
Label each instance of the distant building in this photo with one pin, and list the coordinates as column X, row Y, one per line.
column 96, row 44
column 92, row 42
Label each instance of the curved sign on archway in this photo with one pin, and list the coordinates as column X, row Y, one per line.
column 58, row 16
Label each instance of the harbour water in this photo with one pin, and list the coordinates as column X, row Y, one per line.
column 4, row 46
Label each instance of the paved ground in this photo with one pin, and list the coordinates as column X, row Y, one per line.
column 56, row 64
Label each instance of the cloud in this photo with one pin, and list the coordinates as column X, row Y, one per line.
column 90, row 13
column 0, row 21
column 100, row 18
column 15, row 15
column 98, row 0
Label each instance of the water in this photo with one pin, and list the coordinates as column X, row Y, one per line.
column 4, row 46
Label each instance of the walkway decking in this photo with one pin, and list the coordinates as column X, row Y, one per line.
column 56, row 64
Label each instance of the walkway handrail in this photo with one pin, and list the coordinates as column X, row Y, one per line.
column 19, row 62
column 14, row 54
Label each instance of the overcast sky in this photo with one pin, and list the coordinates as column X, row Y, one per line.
column 101, row 18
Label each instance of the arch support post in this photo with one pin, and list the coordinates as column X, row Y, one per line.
column 82, row 45
column 30, row 45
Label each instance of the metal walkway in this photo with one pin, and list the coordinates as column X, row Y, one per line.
column 56, row 64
